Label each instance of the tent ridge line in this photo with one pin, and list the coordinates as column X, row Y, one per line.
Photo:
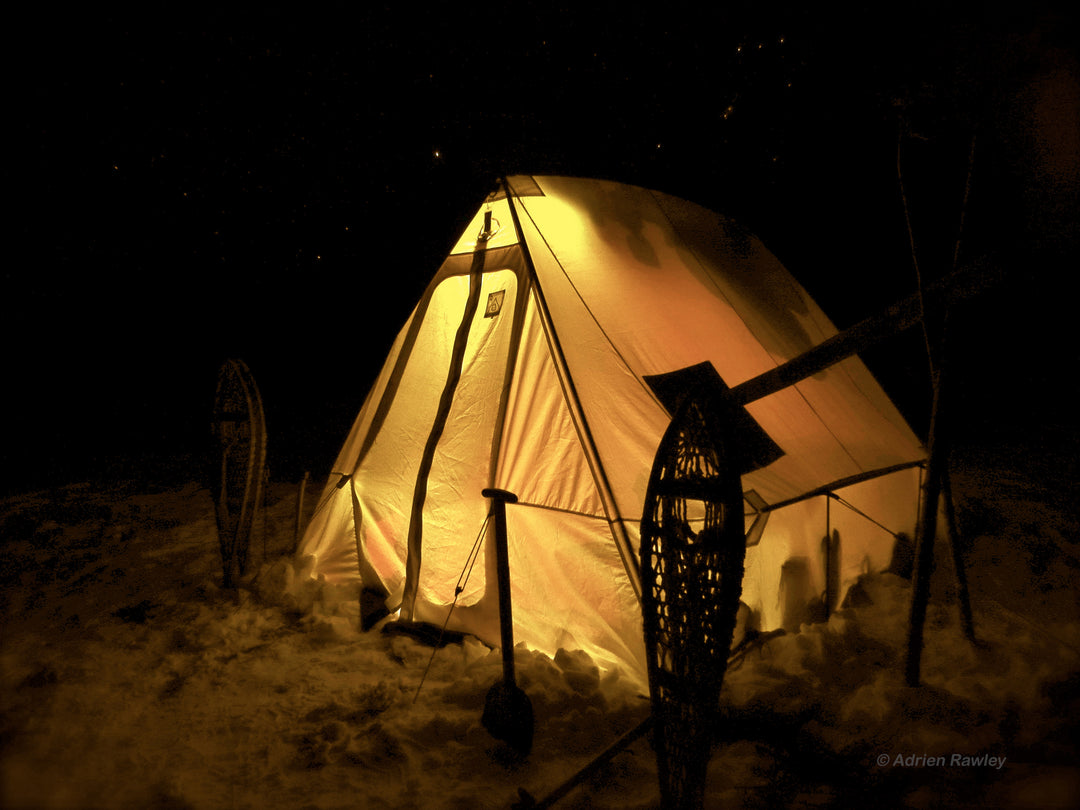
column 777, row 361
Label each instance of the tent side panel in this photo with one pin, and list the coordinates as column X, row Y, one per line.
column 625, row 420
column 639, row 283
column 386, row 476
column 785, row 572
column 542, row 460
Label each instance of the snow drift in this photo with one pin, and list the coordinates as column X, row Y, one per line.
column 131, row 679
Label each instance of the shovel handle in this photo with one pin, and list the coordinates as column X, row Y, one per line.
column 498, row 495
column 500, row 498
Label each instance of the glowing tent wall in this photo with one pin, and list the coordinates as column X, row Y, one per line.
column 552, row 405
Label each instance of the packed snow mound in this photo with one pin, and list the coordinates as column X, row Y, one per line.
column 132, row 679
column 289, row 584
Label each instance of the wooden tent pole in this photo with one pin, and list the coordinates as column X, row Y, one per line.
column 950, row 511
column 937, row 474
column 937, row 493
column 966, row 618
column 925, row 534
column 957, row 286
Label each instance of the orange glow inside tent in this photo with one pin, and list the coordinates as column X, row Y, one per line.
column 524, row 370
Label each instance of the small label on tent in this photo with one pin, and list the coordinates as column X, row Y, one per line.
column 494, row 304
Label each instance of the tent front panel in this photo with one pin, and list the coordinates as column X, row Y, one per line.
column 386, row 478
column 571, row 588
column 462, row 466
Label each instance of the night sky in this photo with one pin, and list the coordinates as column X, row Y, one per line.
column 281, row 188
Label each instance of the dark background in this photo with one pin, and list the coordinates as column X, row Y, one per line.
column 280, row 188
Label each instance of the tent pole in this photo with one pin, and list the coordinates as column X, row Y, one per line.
column 937, row 474
column 966, row 618
column 935, row 485
column 924, row 540
column 830, row 547
column 957, row 286
column 611, row 508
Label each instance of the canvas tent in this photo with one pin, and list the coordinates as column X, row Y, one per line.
column 524, row 366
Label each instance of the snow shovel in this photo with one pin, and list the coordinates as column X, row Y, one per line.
column 508, row 712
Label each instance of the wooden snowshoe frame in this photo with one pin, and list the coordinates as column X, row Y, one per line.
column 692, row 550
column 693, row 543
column 239, row 430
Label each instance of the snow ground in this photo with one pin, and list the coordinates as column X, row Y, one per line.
column 131, row 680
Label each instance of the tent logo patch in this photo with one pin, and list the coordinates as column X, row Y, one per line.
column 494, row 304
